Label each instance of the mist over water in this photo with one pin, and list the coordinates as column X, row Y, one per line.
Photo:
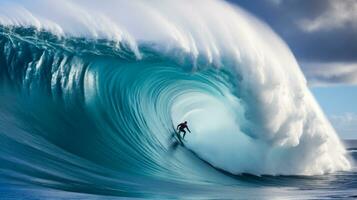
column 91, row 93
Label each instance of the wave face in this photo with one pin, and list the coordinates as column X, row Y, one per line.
column 91, row 92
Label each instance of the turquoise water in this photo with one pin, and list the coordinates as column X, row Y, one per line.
column 90, row 97
column 80, row 120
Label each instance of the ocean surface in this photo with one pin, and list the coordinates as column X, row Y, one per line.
column 91, row 93
column 338, row 185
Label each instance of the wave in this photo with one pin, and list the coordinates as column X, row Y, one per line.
column 91, row 93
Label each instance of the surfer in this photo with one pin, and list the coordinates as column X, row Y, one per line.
column 181, row 128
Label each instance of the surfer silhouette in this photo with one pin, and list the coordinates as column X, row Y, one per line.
column 181, row 128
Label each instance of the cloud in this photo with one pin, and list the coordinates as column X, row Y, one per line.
column 316, row 31
column 321, row 34
column 345, row 124
column 340, row 14
column 324, row 74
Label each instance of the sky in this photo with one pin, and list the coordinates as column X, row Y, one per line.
column 322, row 34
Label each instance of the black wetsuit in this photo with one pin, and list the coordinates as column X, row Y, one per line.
column 181, row 127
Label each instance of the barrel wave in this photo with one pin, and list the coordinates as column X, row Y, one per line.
column 91, row 93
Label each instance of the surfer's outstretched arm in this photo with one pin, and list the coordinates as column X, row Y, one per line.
column 188, row 129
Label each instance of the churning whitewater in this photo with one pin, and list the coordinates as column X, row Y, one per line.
column 93, row 91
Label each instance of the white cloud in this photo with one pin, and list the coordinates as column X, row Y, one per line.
column 321, row 74
column 342, row 13
column 345, row 124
